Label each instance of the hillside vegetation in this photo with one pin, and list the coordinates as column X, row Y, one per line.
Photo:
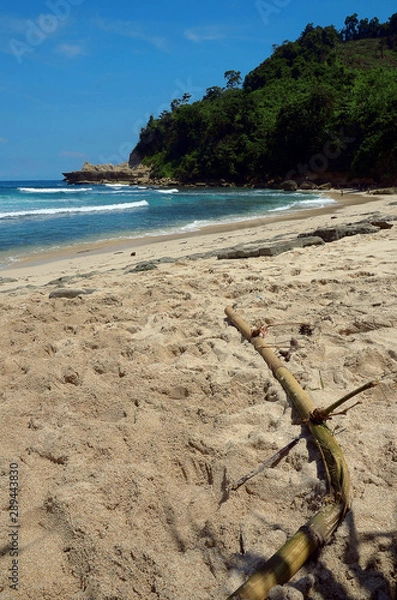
column 325, row 103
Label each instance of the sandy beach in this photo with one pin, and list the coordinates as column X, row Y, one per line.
column 128, row 400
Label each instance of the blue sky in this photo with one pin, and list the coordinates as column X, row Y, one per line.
column 79, row 78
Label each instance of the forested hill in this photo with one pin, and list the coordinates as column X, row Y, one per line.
column 323, row 105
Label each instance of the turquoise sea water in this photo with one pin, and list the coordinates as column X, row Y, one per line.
column 44, row 215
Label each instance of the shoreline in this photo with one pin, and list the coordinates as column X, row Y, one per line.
column 110, row 254
column 130, row 403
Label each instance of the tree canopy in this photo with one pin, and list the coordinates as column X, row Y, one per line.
column 326, row 102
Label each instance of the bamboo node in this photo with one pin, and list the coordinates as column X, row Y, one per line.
column 304, row 329
column 313, row 535
column 318, row 416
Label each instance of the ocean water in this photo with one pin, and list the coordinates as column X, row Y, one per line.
column 43, row 215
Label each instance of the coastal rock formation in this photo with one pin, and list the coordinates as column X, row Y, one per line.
column 130, row 173
column 289, row 186
column 71, row 292
column 331, row 234
column 244, row 251
column 108, row 173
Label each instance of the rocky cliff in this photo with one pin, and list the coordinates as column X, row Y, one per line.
column 108, row 173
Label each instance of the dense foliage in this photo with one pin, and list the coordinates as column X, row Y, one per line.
column 326, row 103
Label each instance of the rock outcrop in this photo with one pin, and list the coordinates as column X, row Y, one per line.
column 332, row 234
column 289, row 186
column 108, row 173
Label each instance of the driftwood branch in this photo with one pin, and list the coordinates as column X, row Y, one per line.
column 269, row 463
column 322, row 414
column 319, row 529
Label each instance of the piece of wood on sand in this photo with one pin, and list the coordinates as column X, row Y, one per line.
column 319, row 529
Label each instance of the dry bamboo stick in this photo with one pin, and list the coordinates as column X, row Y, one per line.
column 319, row 529
column 322, row 414
column 269, row 463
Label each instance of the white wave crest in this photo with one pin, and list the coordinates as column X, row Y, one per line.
column 117, row 185
column 317, row 202
column 33, row 190
column 171, row 191
column 71, row 210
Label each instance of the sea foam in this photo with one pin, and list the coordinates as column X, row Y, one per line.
column 32, row 190
column 70, row 210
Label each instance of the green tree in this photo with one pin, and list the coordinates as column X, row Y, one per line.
column 212, row 92
column 323, row 93
column 351, row 28
column 233, row 79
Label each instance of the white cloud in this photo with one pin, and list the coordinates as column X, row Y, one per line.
column 206, row 33
column 132, row 30
column 70, row 50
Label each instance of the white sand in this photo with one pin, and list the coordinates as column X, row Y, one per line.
column 126, row 408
